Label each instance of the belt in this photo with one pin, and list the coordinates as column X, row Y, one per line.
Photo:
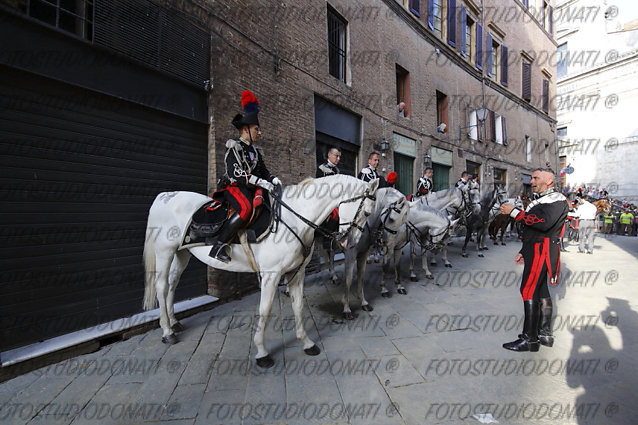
column 587, row 219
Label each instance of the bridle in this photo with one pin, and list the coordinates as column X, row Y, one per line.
column 334, row 236
column 429, row 238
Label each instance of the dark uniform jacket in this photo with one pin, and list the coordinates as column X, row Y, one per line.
column 543, row 222
column 368, row 173
column 327, row 169
column 242, row 162
column 424, row 186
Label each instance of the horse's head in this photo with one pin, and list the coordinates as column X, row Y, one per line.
column 393, row 216
column 501, row 195
column 354, row 211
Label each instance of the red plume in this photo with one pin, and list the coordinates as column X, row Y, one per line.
column 247, row 97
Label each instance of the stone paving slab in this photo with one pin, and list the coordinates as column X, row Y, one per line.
column 433, row 356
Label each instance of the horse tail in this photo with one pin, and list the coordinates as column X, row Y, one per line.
column 150, row 294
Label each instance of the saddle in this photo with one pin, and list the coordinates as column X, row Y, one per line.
column 208, row 220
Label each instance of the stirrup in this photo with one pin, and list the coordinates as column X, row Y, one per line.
column 219, row 251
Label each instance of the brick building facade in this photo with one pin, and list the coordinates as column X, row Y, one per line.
column 445, row 59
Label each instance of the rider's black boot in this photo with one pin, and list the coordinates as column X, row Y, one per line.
column 220, row 249
column 528, row 340
column 545, row 336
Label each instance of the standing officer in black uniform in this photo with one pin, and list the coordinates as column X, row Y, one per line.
column 543, row 223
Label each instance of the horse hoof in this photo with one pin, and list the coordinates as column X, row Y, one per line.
column 429, row 276
column 177, row 327
column 265, row 362
column 503, row 243
column 448, row 265
column 432, row 264
column 495, row 243
column 335, row 281
column 348, row 315
column 464, row 255
column 413, row 278
column 481, row 255
column 386, row 294
column 366, row 307
column 312, row 351
column 170, row 339
column 485, row 248
column 402, row 291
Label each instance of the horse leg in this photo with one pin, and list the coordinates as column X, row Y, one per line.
column 328, row 257
column 384, row 269
column 163, row 266
column 351, row 259
column 361, row 271
column 180, row 261
column 296, row 284
column 468, row 234
column 444, row 256
column 397, row 269
column 479, row 240
column 424, row 262
column 269, row 281
column 413, row 277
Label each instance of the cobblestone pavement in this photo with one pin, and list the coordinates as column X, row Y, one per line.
column 432, row 356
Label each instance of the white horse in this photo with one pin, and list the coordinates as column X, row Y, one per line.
column 390, row 214
column 428, row 226
column 284, row 252
column 454, row 202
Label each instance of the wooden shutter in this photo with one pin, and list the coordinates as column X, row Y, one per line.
column 488, row 62
column 505, row 143
column 451, row 22
column 463, row 30
column 551, row 20
column 415, row 7
column 546, row 96
column 504, row 65
column 431, row 14
column 491, row 121
column 479, row 46
column 527, row 81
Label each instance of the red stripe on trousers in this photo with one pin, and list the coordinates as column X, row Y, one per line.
column 534, row 273
column 243, row 202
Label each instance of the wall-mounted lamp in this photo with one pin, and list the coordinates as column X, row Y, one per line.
column 384, row 147
column 426, row 158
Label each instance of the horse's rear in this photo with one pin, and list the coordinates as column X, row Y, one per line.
column 168, row 218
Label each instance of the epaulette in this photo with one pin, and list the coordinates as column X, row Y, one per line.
column 230, row 143
column 366, row 170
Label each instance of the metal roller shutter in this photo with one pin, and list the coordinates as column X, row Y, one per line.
column 79, row 173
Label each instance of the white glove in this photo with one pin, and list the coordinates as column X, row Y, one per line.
column 265, row 184
column 276, row 181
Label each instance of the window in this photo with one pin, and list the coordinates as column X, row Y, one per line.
column 546, row 96
column 473, row 168
column 492, row 57
column 403, row 90
column 500, row 177
column 500, row 130
column 466, row 35
column 73, row 16
column 435, row 13
column 561, row 65
column 527, row 81
column 441, row 110
column 337, row 45
column 528, row 149
column 561, row 132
